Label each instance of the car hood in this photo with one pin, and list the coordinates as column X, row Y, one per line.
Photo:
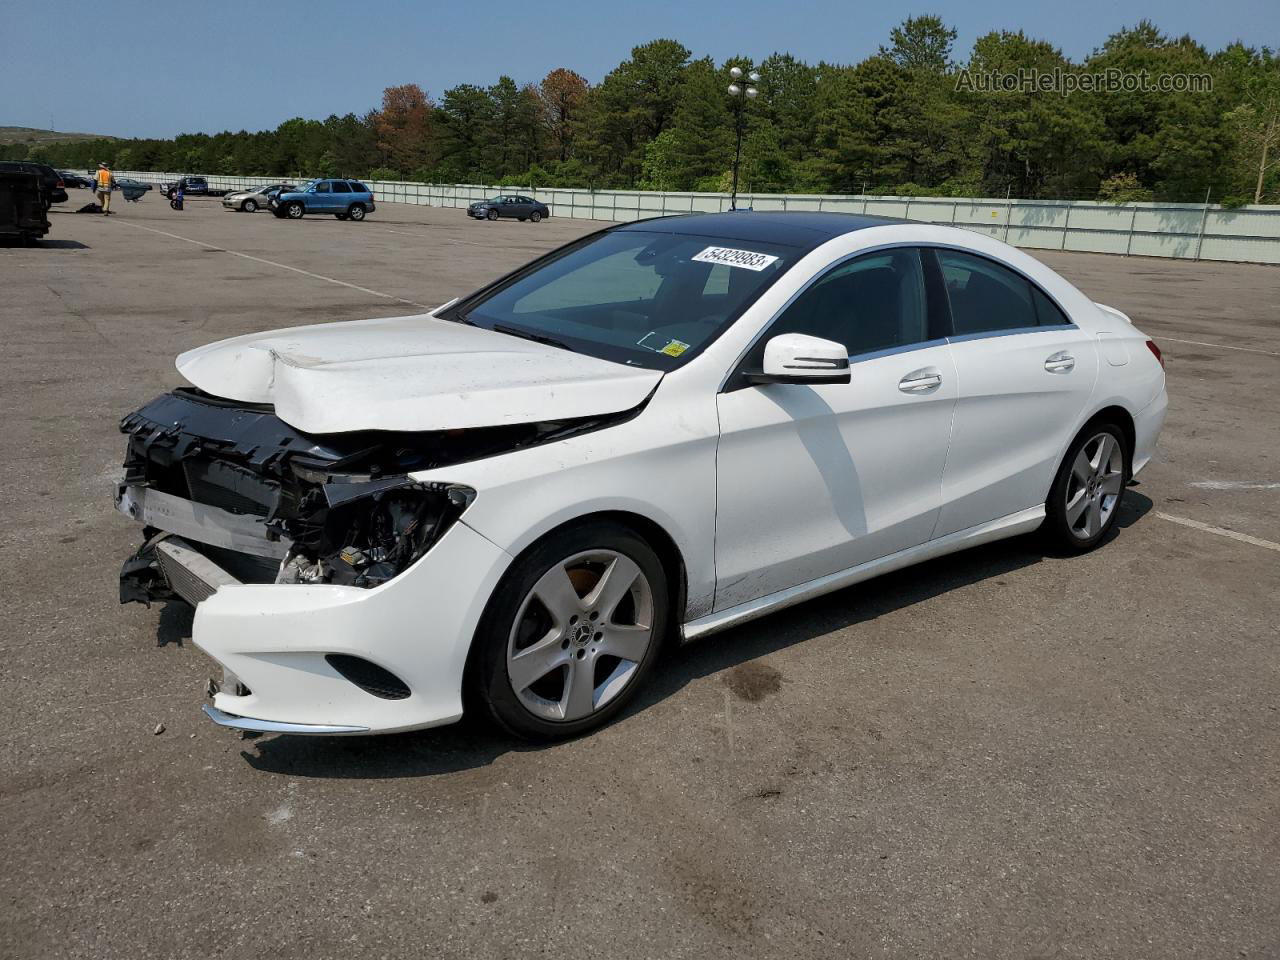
column 411, row 373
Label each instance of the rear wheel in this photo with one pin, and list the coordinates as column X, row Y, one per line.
column 572, row 631
column 1084, row 501
column 249, row 206
column 356, row 212
column 294, row 210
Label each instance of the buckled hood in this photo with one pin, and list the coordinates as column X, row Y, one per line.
column 411, row 373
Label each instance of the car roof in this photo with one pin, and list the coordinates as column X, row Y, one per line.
column 802, row 229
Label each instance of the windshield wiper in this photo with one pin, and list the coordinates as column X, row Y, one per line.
column 535, row 337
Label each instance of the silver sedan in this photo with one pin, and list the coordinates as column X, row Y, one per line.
column 250, row 200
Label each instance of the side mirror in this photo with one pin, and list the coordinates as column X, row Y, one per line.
column 799, row 358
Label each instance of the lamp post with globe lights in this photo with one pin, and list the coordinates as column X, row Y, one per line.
column 741, row 93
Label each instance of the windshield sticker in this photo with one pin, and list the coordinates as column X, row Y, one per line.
column 673, row 348
column 748, row 259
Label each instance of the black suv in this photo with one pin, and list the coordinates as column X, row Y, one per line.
column 54, row 189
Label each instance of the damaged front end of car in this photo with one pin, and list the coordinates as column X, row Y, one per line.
column 228, row 493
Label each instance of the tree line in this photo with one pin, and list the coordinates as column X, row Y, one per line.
column 909, row 120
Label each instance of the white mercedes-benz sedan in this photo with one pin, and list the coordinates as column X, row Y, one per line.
column 658, row 431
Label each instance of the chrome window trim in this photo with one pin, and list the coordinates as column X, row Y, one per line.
column 893, row 351
column 1012, row 332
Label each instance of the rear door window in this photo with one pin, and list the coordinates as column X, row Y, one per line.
column 984, row 296
column 1047, row 312
column 341, row 186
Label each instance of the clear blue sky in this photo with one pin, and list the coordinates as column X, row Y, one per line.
column 157, row 69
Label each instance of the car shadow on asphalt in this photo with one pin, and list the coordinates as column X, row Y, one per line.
column 474, row 743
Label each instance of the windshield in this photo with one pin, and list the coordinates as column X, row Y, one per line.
column 648, row 299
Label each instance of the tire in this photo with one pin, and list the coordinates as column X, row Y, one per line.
column 536, row 217
column 555, row 702
column 491, row 215
column 249, row 206
column 294, row 210
column 355, row 212
column 1084, row 501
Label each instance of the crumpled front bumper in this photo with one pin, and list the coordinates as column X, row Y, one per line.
column 272, row 641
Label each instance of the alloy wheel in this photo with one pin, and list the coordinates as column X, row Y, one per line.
column 1094, row 487
column 580, row 635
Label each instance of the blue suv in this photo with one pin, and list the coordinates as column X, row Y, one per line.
column 345, row 199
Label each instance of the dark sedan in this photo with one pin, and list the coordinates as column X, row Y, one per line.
column 76, row 181
column 509, row 205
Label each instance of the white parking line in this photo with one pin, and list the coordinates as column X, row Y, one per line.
column 1223, row 346
column 1234, row 485
column 273, row 263
column 418, row 236
column 1220, row 531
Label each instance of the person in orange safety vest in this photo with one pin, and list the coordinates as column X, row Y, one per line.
column 103, row 183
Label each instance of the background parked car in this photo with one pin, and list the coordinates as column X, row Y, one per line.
column 75, row 181
column 509, row 205
column 345, row 199
column 191, row 187
column 250, row 200
column 51, row 179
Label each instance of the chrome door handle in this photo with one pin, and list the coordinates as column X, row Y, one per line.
column 1061, row 362
column 921, row 381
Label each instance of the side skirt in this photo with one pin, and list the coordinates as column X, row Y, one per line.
column 1011, row 526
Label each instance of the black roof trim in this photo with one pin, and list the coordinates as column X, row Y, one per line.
column 802, row 229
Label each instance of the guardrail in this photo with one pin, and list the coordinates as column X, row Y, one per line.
column 1249, row 234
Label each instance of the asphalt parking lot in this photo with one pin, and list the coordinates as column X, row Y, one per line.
column 999, row 754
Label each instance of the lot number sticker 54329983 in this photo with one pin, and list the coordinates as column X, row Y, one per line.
column 747, row 259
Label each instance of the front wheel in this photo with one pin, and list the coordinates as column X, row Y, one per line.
column 492, row 215
column 249, row 206
column 294, row 210
column 572, row 631
column 536, row 217
column 1084, row 501
column 356, row 212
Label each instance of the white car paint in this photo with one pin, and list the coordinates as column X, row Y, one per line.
column 771, row 494
column 410, row 373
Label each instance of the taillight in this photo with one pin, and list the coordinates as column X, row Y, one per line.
column 1155, row 351
column 61, row 185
